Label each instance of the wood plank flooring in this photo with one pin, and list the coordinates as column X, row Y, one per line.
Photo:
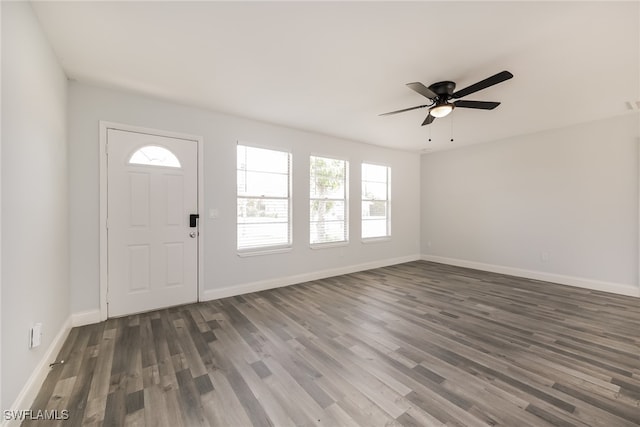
column 416, row 344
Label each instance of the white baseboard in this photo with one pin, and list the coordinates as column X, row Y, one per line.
column 262, row 285
column 616, row 288
column 29, row 392
column 85, row 318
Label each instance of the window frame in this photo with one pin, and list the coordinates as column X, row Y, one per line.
column 270, row 248
column 345, row 200
column 387, row 200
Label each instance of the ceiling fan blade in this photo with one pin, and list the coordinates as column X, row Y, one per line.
column 489, row 81
column 428, row 120
column 481, row 105
column 402, row 111
column 422, row 90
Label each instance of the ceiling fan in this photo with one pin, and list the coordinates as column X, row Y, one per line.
column 441, row 93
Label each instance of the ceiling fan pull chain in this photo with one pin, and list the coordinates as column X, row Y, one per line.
column 451, row 128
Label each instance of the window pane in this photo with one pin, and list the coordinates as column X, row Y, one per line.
column 327, row 178
column 262, row 235
column 263, row 210
column 323, row 188
column 152, row 155
column 374, row 173
column 328, row 207
column 374, row 190
column 327, row 210
column 374, row 228
column 328, row 231
column 261, row 159
column 376, row 209
column 375, row 200
column 263, row 184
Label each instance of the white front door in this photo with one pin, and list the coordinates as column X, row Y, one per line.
column 152, row 249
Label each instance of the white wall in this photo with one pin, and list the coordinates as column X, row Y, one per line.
column 224, row 269
column 1, row 402
column 559, row 205
column 35, row 262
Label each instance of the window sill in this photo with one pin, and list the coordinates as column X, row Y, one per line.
column 328, row 245
column 369, row 240
column 267, row 251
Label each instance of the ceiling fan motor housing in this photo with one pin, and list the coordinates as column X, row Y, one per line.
column 443, row 89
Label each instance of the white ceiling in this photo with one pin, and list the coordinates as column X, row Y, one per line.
column 332, row 67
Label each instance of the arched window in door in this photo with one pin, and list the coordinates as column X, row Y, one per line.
column 154, row 155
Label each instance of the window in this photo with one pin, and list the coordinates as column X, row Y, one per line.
column 328, row 200
column 375, row 201
column 152, row 155
column 264, row 203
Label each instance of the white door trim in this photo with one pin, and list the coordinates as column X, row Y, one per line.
column 104, row 126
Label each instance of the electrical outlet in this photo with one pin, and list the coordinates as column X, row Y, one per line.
column 35, row 335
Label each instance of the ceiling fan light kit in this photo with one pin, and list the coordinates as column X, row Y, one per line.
column 441, row 110
column 441, row 93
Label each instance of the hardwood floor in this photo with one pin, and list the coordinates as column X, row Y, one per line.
column 413, row 344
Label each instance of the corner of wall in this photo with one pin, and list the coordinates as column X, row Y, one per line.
column 572, row 192
column 85, row 318
column 580, row 282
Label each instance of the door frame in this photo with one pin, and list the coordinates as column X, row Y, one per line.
column 104, row 127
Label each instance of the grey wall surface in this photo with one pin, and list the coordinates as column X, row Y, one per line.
column 223, row 267
column 563, row 202
column 35, row 249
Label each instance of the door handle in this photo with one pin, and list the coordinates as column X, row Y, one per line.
column 193, row 234
column 192, row 220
